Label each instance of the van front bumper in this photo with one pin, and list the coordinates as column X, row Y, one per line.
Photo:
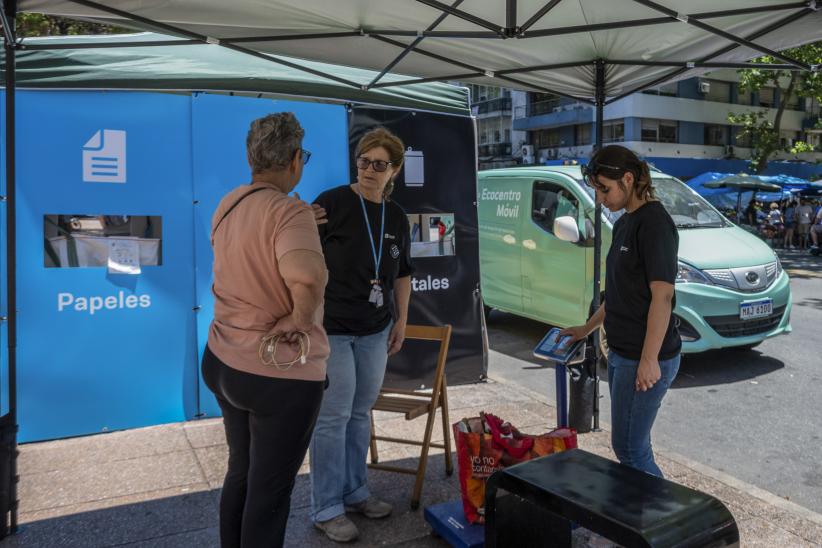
column 709, row 315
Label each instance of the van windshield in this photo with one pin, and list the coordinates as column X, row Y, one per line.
column 687, row 208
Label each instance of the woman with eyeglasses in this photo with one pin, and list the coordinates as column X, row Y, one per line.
column 366, row 243
column 266, row 352
column 641, row 268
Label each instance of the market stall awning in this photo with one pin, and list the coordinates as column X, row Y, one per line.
column 209, row 68
column 541, row 45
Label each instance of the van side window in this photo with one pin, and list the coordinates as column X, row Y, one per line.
column 550, row 201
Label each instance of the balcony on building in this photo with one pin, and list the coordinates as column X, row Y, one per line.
column 551, row 113
column 499, row 106
column 494, row 150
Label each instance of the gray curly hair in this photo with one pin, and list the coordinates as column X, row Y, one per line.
column 272, row 141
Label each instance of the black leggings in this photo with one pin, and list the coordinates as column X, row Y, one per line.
column 268, row 425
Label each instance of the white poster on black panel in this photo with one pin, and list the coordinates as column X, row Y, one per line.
column 436, row 189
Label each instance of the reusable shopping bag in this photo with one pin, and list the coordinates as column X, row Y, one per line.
column 486, row 444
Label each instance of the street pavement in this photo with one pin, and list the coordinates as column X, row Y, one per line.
column 754, row 414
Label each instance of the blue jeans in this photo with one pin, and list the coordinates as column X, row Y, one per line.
column 338, row 450
column 633, row 412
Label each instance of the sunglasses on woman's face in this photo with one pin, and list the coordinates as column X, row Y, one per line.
column 378, row 165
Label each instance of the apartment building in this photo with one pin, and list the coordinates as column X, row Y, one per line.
column 686, row 119
column 498, row 144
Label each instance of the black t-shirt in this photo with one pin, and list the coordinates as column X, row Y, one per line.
column 644, row 249
column 350, row 261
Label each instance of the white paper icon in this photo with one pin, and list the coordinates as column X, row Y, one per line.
column 104, row 157
column 123, row 256
column 414, row 168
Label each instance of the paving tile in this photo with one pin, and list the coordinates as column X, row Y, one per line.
column 205, row 433
column 428, row 541
column 404, row 527
column 468, row 396
column 671, row 468
column 107, row 480
column 213, row 460
column 805, row 529
column 202, row 538
column 756, row 532
column 100, row 448
column 132, row 498
column 120, row 523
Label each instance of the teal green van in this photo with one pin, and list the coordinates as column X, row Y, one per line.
column 537, row 248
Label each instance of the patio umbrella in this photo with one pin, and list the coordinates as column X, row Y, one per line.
column 743, row 183
column 812, row 190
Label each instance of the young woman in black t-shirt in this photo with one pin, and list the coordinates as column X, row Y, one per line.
column 366, row 243
column 641, row 269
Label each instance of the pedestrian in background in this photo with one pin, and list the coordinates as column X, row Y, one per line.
column 266, row 352
column 816, row 228
column 804, row 217
column 367, row 250
column 790, row 223
column 641, row 270
column 774, row 224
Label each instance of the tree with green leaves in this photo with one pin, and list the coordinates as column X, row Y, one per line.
column 763, row 133
column 37, row 24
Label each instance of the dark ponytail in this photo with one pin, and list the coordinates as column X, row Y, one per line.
column 614, row 160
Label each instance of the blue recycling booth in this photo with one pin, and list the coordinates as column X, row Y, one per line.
column 111, row 342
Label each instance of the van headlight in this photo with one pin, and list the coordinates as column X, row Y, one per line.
column 691, row 275
column 778, row 266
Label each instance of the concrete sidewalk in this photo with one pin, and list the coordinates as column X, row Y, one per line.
column 159, row 486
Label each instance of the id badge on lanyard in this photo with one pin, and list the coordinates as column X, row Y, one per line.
column 376, row 295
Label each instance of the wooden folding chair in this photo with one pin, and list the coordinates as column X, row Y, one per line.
column 413, row 404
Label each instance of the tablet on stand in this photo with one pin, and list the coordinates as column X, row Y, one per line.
column 558, row 349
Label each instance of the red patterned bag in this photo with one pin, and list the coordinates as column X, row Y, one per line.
column 486, row 444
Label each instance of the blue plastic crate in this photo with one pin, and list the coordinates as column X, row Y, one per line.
column 448, row 521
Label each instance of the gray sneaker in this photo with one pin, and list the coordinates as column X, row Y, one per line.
column 372, row 507
column 339, row 529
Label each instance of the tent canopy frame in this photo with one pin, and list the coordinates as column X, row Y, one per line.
column 490, row 31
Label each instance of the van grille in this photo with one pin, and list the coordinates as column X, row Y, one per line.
column 730, row 277
column 732, row 326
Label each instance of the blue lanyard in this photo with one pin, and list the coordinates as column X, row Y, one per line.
column 377, row 258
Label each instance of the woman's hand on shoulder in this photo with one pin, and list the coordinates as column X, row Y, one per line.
column 320, row 215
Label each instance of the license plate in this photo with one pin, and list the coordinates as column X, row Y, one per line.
column 756, row 309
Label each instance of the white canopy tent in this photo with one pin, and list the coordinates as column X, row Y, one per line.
column 595, row 51
column 542, row 45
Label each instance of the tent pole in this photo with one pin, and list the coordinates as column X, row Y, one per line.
column 511, row 18
column 600, row 104
column 8, row 436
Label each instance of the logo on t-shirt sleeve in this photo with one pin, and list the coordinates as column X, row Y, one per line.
column 395, row 251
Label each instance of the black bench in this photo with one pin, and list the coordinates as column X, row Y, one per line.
column 622, row 504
